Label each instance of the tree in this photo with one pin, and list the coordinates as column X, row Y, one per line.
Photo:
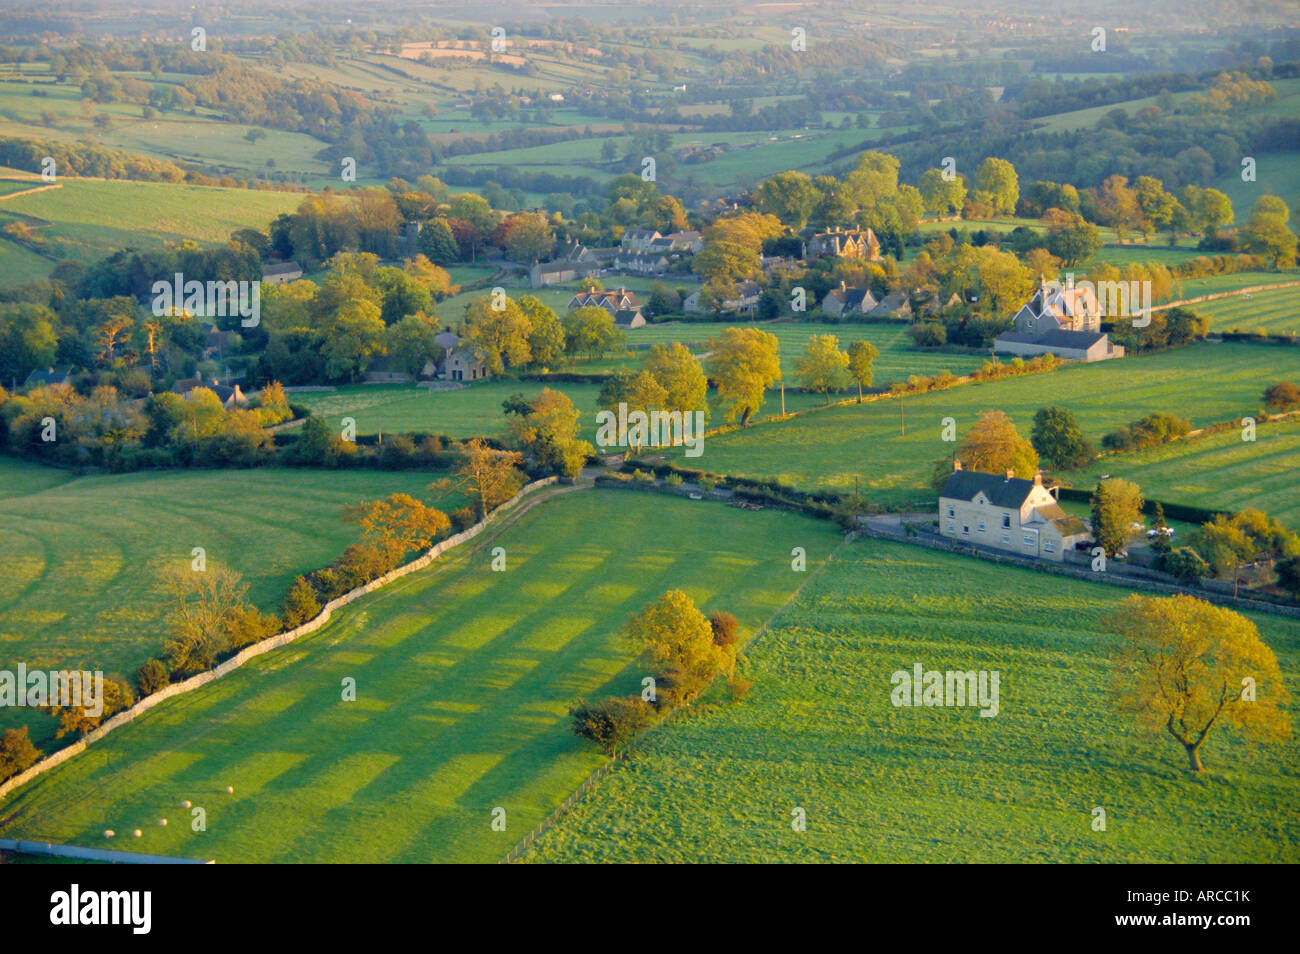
column 500, row 336
column 679, row 373
column 1266, row 233
column 77, row 718
column 1208, row 210
column 203, row 607
column 549, row 434
column 489, row 476
column 545, row 332
column 993, row 446
column 862, row 357
column 1187, row 666
column 823, row 367
column 1070, row 238
column 1117, row 205
column 998, row 180
column 790, row 196
column 1160, row 542
column 17, row 753
column 726, row 262
column 351, row 339
column 677, row 638
column 942, row 196
column 527, row 237
column 744, row 362
column 1116, row 505
column 150, row 677
column 590, row 330
column 1185, row 565
column 398, row 524
column 1282, row 396
column 726, row 628
column 610, row 722
column 413, row 342
column 301, row 603
column 1226, row 546
column 438, row 242
column 1059, row 440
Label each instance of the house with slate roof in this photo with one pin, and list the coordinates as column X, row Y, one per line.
column 849, row 301
column 1062, row 321
column 1008, row 513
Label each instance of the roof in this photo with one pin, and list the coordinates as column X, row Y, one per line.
column 1001, row 491
column 46, row 376
column 1057, row 338
column 1067, row 524
column 282, row 268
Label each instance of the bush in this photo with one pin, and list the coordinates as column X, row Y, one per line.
column 463, row 519
column 707, row 483
column 16, row 752
column 726, row 628
column 151, row 676
column 611, row 722
column 1185, row 565
column 673, row 480
column 641, row 477
column 739, row 687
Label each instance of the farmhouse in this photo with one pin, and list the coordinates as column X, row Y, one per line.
column 1062, row 321
column 1007, row 513
column 622, row 304
column 573, row 260
column 40, row 379
column 849, row 301
column 281, row 273
column 846, row 243
column 459, row 362
column 640, row 240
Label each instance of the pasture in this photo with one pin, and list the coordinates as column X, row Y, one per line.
column 1222, row 471
column 82, row 554
column 1272, row 311
column 831, row 449
column 885, row 784
column 463, row 680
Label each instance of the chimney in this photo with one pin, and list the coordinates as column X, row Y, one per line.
column 956, row 465
column 1010, row 474
column 1038, row 479
column 843, row 287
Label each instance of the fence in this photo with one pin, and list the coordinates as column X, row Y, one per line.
column 51, row 850
column 265, row 646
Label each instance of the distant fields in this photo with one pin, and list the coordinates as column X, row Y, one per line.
column 82, row 554
column 1222, row 471
column 886, row 784
column 463, row 678
column 833, row 448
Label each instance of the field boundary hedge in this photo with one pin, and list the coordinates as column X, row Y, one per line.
column 265, row 646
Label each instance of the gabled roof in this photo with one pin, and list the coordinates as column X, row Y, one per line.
column 1000, row 491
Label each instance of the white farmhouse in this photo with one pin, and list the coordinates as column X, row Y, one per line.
column 1007, row 513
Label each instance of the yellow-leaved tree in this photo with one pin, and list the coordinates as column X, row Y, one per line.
column 1187, row 666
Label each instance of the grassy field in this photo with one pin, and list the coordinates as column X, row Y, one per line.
column 829, row 449
column 1275, row 311
column 82, row 554
column 1222, row 471
column 88, row 219
column 897, row 361
column 886, row 784
column 463, row 681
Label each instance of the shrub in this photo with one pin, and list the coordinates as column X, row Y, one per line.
column 611, row 722
column 673, row 480
column 16, row 752
column 726, row 628
column 463, row 518
column 707, row 483
column 1185, row 565
column 151, row 676
column 739, row 687
column 641, row 477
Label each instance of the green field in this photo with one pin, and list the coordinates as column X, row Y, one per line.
column 89, row 219
column 1274, row 311
column 82, row 554
column 463, row 680
column 886, row 784
column 830, row 449
column 898, row 359
column 1222, row 472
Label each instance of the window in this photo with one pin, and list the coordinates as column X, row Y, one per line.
column 1049, row 546
column 952, row 512
column 951, row 528
column 1006, row 521
column 1006, row 538
column 965, row 528
column 980, row 526
column 1029, row 540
